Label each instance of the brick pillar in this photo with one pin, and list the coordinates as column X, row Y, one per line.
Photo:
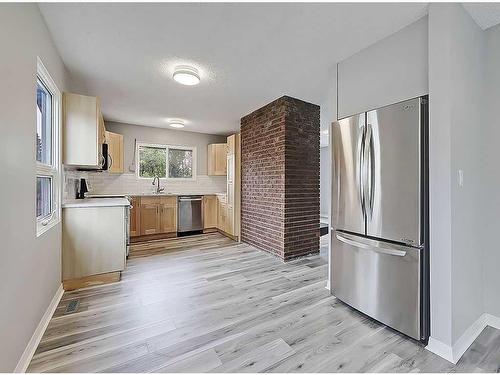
column 280, row 178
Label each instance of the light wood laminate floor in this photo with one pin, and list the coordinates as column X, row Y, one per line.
column 208, row 304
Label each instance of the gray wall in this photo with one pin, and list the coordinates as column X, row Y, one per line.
column 456, row 91
column 491, row 173
column 164, row 136
column 324, row 174
column 394, row 69
column 30, row 269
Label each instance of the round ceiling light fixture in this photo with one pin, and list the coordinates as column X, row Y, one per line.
column 186, row 75
column 176, row 124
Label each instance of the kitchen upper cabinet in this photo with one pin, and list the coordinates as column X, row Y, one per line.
column 217, row 159
column 84, row 132
column 209, row 211
column 150, row 218
column 231, row 143
column 115, row 152
column 168, row 212
column 135, row 218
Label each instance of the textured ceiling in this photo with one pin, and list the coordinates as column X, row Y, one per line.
column 248, row 54
column 485, row 14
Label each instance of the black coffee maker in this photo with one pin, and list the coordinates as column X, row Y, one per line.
column 80, row 193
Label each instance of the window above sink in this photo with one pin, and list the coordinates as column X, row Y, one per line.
column 166, row 161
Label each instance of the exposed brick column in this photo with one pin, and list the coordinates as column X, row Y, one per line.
column 280, row 178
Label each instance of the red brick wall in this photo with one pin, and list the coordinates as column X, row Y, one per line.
column 280, row 178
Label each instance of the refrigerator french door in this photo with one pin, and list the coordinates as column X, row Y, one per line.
column 379, row 215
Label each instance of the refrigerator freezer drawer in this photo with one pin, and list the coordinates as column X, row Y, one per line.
column 378, row 278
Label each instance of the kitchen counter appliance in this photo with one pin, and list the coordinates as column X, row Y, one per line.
column 380, row 235
column 189, row 214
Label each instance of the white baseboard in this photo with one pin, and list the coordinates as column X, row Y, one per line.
column 25, row 359
column 327, row 285
column 493, row 321
column 455, row 352
column 439, row 348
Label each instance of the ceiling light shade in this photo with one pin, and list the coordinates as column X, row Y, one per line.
column 176, row 124
column 186, row 75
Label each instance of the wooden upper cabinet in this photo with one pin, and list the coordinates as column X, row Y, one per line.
column 217, row 159
column 135, row 218
column 115, row 152
column 231, row 144
column 84, row 131
column 209, row 211
column 168, row 212
column 150, row 219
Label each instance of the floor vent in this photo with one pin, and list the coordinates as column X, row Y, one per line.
column 72, row 306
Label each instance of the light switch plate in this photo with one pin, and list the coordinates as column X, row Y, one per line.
column 460, row 178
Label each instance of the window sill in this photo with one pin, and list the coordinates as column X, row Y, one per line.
column 41, row 229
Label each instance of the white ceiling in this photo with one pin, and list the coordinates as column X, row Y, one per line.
column 248, row 54
column 486, row 15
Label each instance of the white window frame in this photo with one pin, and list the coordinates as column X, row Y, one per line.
column 43, row 224
column 166, row 147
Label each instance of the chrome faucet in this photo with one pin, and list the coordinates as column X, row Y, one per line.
column 158, row 188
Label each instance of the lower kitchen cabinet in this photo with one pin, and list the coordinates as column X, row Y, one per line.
column 221, row 213
column 168, row 214
column 155, row 215
column 135, row 217
column 93, row 241
column 150, row 216
column 209, row 211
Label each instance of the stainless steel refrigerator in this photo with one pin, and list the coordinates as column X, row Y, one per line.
column 380, row 215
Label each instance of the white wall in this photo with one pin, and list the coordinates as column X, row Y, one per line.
column 491, row 173
column 456, row 93
column 394, row 69
column 30, row 267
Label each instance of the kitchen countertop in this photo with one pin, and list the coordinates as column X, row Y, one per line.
column 96, row 202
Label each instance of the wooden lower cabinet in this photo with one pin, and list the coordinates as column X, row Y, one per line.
column 229, row 221
column 209, row 211
column 150, row 216
column 221, row 213
column 158, row 215
column 153, row 215
column 135, row 217
column 168, row 214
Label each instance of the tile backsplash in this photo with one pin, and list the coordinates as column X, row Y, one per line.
column 128, row 183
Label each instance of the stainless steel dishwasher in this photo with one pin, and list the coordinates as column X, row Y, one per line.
column 189, row 216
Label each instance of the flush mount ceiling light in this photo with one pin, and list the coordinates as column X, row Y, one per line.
column 186, row 75
column 176, row 123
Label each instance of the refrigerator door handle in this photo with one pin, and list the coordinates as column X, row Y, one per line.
column 369, row 170
column 361, row 170
column 373, row 245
